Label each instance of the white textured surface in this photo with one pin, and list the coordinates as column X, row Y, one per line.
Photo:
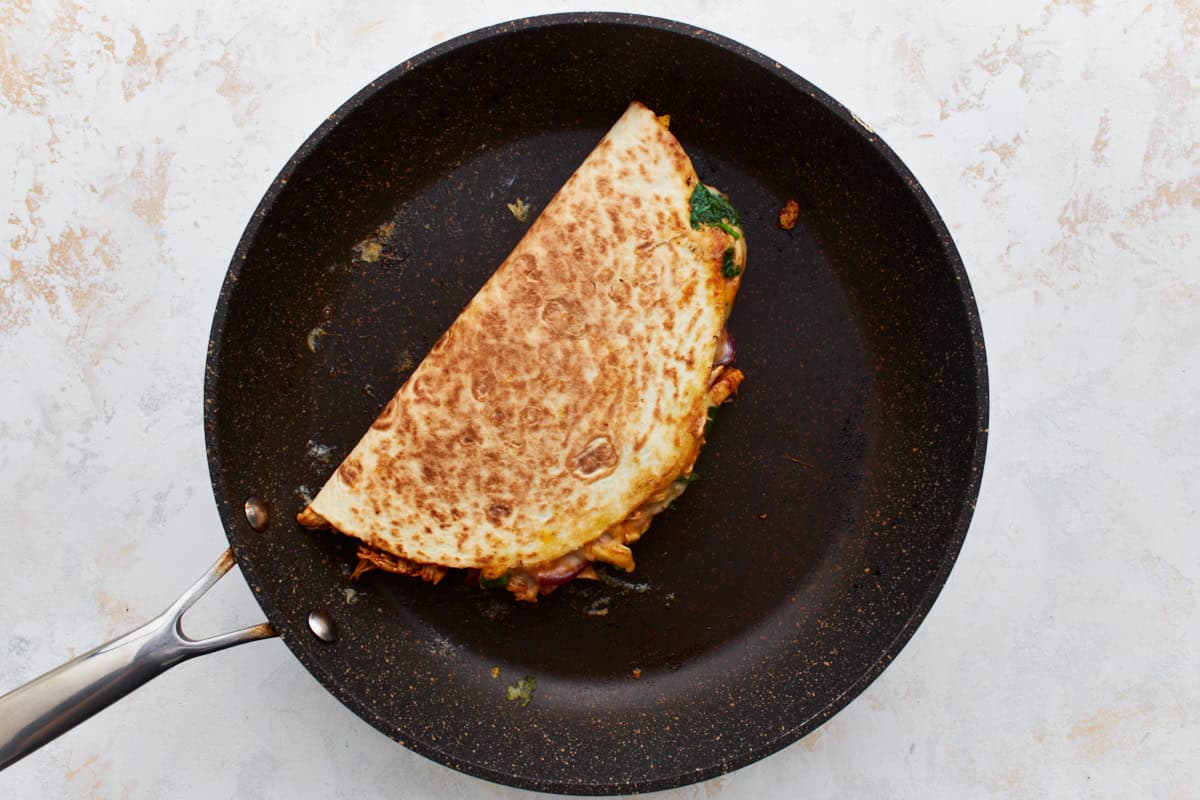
column 1060, row 141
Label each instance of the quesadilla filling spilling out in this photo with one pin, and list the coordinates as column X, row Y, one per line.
column 567, row 404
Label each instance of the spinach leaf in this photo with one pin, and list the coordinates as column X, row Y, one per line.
column 709, row 208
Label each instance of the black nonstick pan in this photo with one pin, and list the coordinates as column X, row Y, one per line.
column 835, row 490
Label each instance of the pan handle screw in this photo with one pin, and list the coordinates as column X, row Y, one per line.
column 256, row 513
column 322, row 625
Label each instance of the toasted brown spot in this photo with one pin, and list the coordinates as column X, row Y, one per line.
column 350, row 471
column 597, row 459
column 564, row 316
column 470, row 436
column 420, row 386
column 529, row 299
column 619, row 291
column 526, row 266
column 614, row 216
column 532, row 416
column 686, row 294
column 388, row 416
column 483, row 385
column 445, row 339
column 496, row 512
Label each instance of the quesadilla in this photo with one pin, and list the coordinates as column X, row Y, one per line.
column 566, row 405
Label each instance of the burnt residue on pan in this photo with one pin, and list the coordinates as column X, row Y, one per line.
column 836, row 489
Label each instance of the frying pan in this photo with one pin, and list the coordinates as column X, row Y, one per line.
column 836, row 490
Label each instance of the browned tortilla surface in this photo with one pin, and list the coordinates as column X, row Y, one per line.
column 573, row 386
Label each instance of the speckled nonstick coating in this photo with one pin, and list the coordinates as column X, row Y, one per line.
column 836, row 489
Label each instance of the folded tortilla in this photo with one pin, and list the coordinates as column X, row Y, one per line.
column 567, row 403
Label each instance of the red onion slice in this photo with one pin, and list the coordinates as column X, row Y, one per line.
column 562, row 570
column 726, row 351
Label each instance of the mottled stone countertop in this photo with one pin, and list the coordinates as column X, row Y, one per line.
column 1061, row 142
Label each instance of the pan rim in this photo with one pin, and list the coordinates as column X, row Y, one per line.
column 332, row 683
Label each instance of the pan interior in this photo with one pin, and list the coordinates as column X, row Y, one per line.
column 832, row 492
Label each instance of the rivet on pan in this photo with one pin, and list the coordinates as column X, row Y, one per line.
column 322, row 625
column 256, row 513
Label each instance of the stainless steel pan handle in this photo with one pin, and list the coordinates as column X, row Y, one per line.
column 49, row 706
